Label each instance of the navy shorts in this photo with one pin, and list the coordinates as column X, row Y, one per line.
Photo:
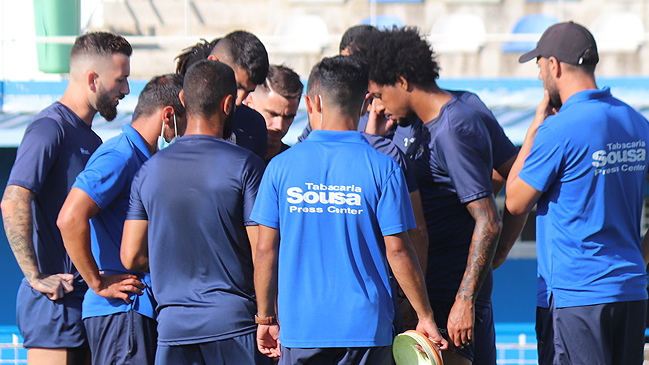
column 607, row 334
column 50, row 324
column 482, row 351
column 337, row 355
column 122, row 338
column 237, row 350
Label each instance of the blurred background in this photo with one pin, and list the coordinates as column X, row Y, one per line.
column 477, row 43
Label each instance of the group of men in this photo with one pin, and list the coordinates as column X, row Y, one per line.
column 225, row 246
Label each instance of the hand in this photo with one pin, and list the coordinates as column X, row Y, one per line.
column 377, row 122
column 119, row 286
column 268, row 340
column 429, row 329
column 543, row 111
column 54, row 286
column 461, row 322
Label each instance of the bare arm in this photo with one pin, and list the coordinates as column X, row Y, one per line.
column 403, row 261
column 18, row 221
column 253, row 237
column 74, row 223
column 521, row 197
column 481, row 251
column 266, row 288
column 134, row 251
column 419, row 235
column 512, row 224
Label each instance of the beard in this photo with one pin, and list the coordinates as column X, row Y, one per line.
column 106, row 108
column 555, row 98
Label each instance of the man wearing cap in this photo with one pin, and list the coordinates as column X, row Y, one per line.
column 584, row 161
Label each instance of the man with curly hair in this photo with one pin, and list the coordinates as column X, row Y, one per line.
column 453, row 164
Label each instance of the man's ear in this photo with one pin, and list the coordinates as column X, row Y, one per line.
column 212, row 57
column 91, row 77
column 309, row 106
column 402, row 83
column 181, row 96
column 227, row 105
column 167, row 115
column 554, row 66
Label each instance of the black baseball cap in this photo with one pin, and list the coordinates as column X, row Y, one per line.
column 567, row 42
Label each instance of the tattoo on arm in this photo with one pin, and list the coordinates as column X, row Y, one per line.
column 18, row 223
column 483, row 246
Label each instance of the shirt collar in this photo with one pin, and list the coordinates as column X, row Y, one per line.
column 336, row 136
column 136, row 139
column 589, row 94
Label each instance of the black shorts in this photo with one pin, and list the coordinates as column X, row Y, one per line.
column 482, row 351
column 337, row 355
column 611, row 333
column 122, row 338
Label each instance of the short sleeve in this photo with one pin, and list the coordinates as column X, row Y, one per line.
column 37, row 154
column 466, row 155
column 394, row 209
column 252, row 175
column 542, row 165
column 266, row 207
column 104, row 177
column 136, row 209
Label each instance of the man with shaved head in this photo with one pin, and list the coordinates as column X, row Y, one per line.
column 55, row 148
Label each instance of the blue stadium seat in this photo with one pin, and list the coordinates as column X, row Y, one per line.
column 384, row 21
column 529, row 24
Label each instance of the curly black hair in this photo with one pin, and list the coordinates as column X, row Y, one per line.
column 403, row 52
column 193, row 54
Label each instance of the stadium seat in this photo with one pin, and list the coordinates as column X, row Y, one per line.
column 530, row 24
column 618, row 32
column 458, row 33
column 302, row 34
column 384, row 21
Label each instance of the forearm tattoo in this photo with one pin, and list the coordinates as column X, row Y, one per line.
column 18, row 227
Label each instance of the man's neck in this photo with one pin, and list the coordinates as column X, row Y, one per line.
column 149, row 130
column 427, row 105
column 198, row 126
column 80, row 105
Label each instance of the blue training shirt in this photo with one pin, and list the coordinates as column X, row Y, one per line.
column 107, row 181
column 55, row 148
column 332, row 212
column 590, row 162
column 453, row 167
column 197, row 195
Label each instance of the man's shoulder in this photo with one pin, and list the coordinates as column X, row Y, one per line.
column 245, row 114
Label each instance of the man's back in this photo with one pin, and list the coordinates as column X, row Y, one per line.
column 332, row 216
column 590, row 162
column 196, row 195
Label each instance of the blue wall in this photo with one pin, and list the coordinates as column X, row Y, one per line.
column 9, row 270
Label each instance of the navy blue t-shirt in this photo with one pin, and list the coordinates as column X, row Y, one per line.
column 502, row 149
column 197, row 195
column 250, row 130
column 387, row 147
column 55, row 148
column 453, row 167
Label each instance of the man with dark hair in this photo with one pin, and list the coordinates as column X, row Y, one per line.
column 118, row 308
column 354, row 37
column 354, row 214
column 453, row 166
column 277, row 100
column 55, row 148
column 199, row 245
column 584, row 160
column 247, row 56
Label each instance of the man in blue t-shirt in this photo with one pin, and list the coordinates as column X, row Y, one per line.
column 55, row 148
column 188, row 223
column 343, row 224
column 118, row 308
column 453, row 166
column 584, row 162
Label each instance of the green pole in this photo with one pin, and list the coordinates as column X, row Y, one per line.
column 56, row 18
